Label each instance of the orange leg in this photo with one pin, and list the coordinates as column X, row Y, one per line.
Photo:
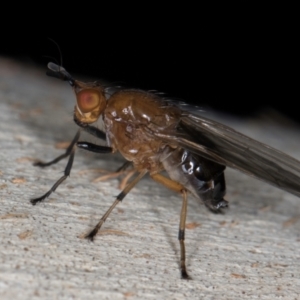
column 119, row 198
column 110, row 175
column 124, row 181
column 177, row 187
column 122, row 170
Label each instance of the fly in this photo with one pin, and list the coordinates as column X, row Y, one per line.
column 155, row 134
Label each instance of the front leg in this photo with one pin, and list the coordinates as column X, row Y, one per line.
column 94, row 131
column 104, row 149
column 59, row 181
column 94, row 148
column 68, row 152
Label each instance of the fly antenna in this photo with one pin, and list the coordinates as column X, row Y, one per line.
column 60, row 73
column 51, row 58
column 58, row 48
column 56, row 70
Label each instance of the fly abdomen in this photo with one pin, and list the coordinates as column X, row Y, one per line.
column 203, row 178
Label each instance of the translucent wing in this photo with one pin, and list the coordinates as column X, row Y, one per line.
column 226, row 146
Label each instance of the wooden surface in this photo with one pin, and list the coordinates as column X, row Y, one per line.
column 249, row 252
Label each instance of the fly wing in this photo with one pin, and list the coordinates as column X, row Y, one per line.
column 226, row 146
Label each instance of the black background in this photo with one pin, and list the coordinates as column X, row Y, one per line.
column 240, row 60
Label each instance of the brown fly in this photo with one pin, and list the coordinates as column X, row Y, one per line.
column 156, row 135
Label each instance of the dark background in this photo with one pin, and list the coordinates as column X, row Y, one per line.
column 240, row 63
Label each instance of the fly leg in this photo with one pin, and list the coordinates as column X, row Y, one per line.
column 120, row 171
column 89, row 129
column 69, row 152
column 125, row 180
column 177, row 187
column 94, row 148
column 111, row 175
column 119, row 198
column 58, row 182
column 123, row 169
column 59, row 158
column 92, row 130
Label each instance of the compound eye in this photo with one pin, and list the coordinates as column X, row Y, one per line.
column 88, row 100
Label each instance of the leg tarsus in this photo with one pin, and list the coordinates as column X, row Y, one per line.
column 59, row 181
column 62, row 156
column 91, row 235
column 184, row 275
column 36, row 200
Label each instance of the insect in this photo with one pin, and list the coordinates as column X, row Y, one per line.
column 156, row 135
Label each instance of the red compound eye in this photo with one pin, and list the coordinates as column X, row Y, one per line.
column 88, row 100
